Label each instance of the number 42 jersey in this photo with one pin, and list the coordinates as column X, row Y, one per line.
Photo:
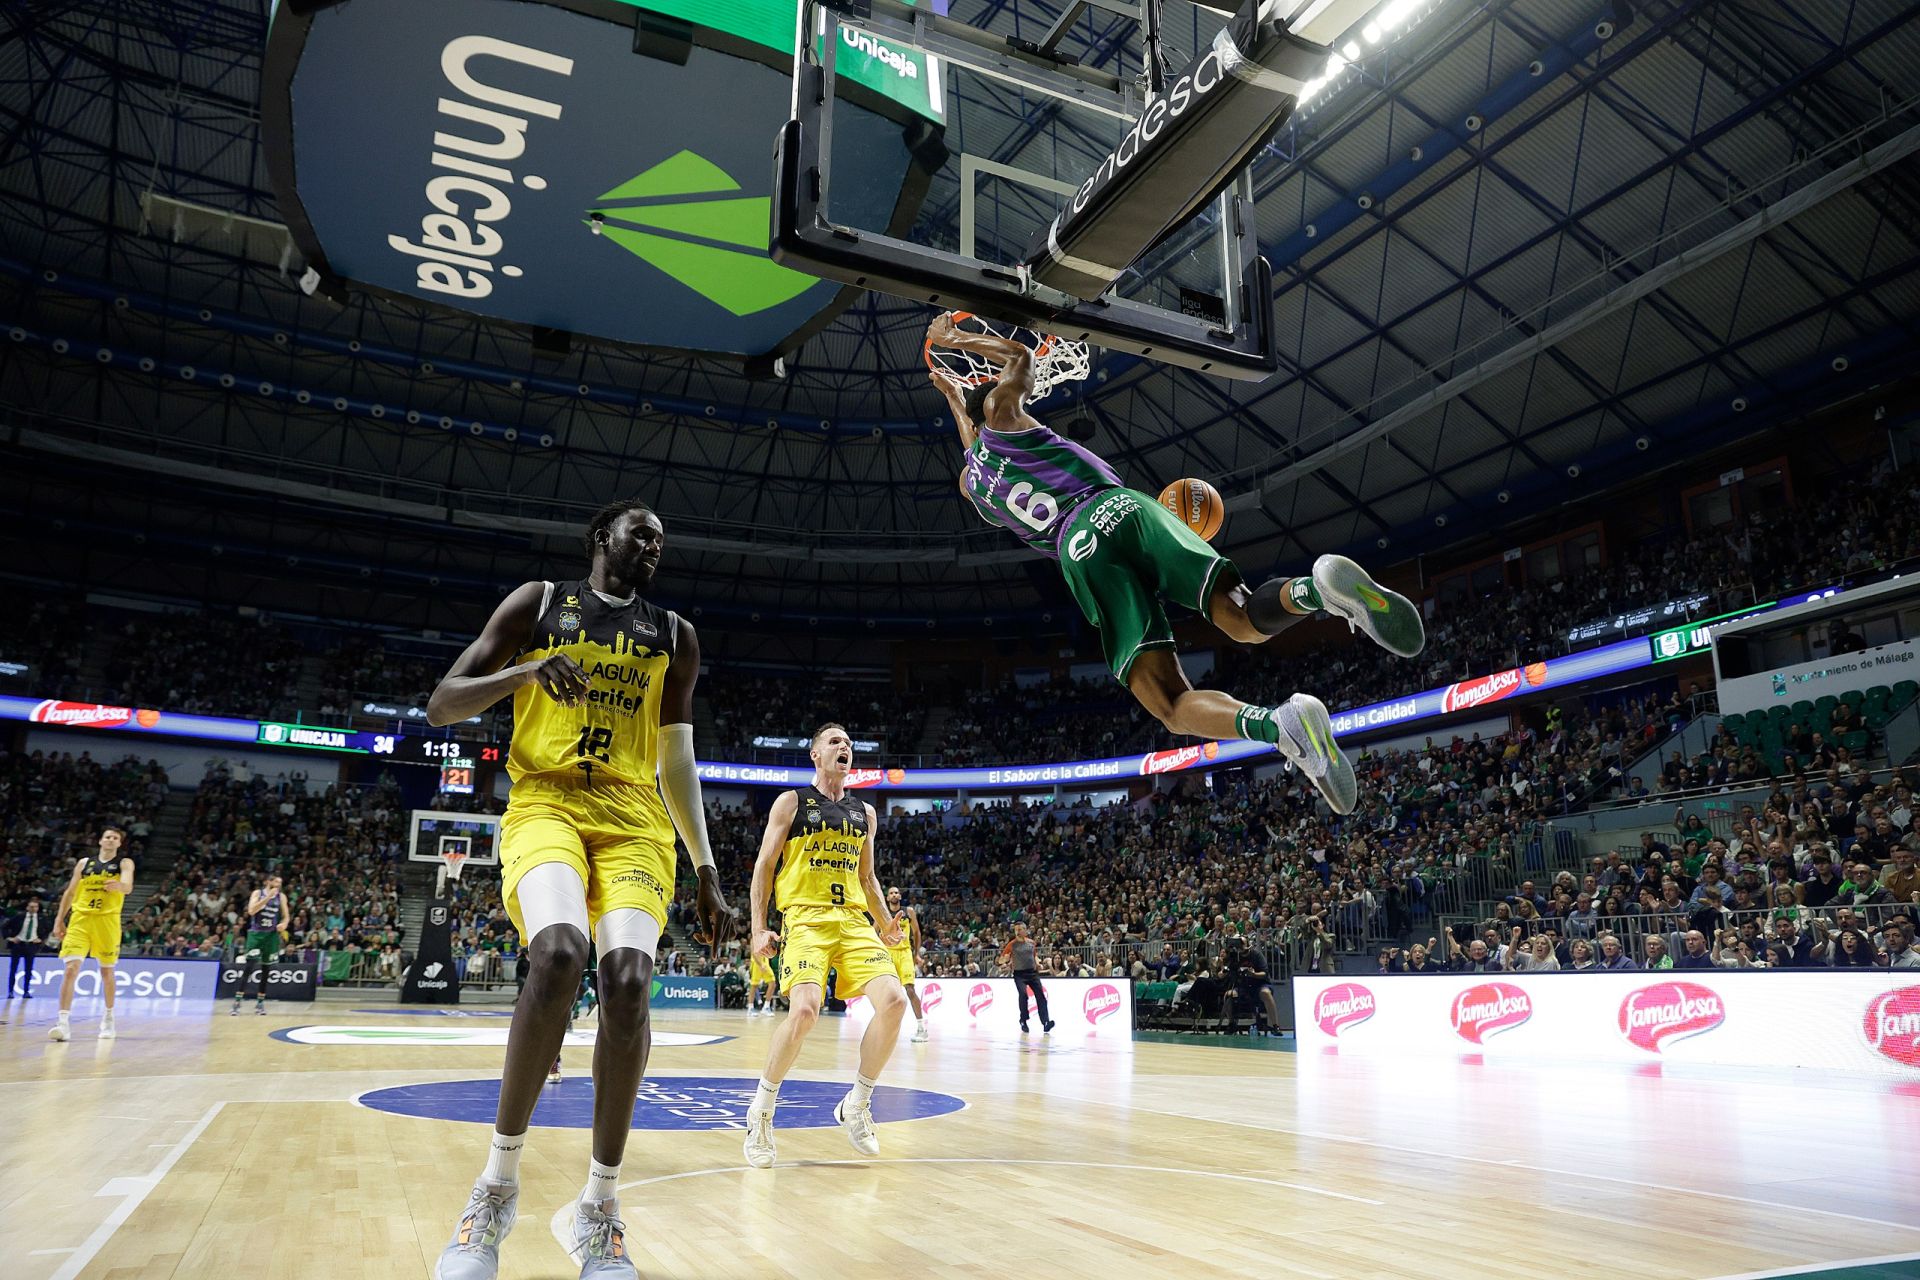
column 625, row 647
column 1032, row 481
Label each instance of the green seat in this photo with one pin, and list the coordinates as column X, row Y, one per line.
column 1734, row 724
column 1878, row 695
column 1802, row 711
column 1877, row 720
column 1853, row 697
column 1855, row 741
column 1905, row 691
column 1826, row 700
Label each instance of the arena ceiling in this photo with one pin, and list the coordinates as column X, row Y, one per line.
column 1521, row 248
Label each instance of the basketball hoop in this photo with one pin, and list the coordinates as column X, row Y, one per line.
column 1055, row 360
column 454, row 860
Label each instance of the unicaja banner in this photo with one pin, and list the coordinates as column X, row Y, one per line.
column 537, row 161
column 1859, row 1020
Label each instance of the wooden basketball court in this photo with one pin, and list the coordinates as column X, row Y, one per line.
column 199, row 1144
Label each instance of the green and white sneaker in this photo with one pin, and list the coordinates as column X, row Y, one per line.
column 474, row 1251
column 600, row 1242
column 1348, row 591
column 1306, row 738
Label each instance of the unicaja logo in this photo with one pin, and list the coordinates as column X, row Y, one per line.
column 895, row 61
column 1892, row 1025
column 979, row 998
column 1103, row 999
column 460, row 239
column 1489, row 1009
column 1653, row 1017
column 1343, row 1006
column 929, row 996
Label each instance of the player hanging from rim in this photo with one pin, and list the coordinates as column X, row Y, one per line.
column 905, row 955
column 816, row 865
column 267, row 917
column 89, row 917
column 603, row 775
column 1120, row 551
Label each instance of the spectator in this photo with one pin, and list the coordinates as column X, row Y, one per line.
column 1613, row 956
column 1657, row 957
column 1694, row 955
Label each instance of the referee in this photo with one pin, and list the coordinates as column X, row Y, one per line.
column 1026, row 973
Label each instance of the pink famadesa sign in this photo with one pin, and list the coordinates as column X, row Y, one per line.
column 1347, row 1005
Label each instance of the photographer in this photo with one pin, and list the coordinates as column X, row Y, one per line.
column 1246, row 972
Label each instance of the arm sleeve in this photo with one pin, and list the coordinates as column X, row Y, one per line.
column 680, row 788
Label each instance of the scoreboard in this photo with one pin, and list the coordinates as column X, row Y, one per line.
column 404, row 748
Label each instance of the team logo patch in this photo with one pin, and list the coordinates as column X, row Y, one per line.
column 569, row 620
column 573, row 600
column 1081, row 545
column 645, row 628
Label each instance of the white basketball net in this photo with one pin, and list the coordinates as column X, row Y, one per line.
column 1055, row 360
column 454, row 861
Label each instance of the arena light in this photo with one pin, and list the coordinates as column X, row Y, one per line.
column 1384, row 23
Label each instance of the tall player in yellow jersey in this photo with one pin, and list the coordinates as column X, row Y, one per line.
column 89, row 917
column 603, row 774
column 816, row 866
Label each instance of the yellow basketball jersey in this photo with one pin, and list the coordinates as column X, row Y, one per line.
column 92, row 898
column 820, row 865
column 624, row 646
column 905, row 945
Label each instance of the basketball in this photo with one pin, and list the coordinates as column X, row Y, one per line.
column 1198, row 504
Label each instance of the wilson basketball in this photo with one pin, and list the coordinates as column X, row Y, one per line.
column 1198, row 504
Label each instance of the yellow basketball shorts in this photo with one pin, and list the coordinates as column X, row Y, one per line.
column 902, row 965
column 759, row 972
column 843, row 941
column 616, row 836
column 96, row 936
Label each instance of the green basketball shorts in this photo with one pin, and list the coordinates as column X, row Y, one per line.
column 1121, row 553
column 263, row 943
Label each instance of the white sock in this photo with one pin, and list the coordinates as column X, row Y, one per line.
column 503, row 1158
column 603, row 1181
column 863, row 1090
column 920, row 1023
column 64, row 1016
column 766, row 1097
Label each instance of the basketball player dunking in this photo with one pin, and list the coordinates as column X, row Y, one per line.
column 1121, row 551
column 89, row 917
column 603, row 774
column 905, row 955
column 816, row 866
column 267, row 916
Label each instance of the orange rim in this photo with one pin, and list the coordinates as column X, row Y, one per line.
column 1039, row 353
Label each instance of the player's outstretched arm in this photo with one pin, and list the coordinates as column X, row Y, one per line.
column 1004, row 403
column 680, row 782
column 480, row 676
column 969, row 433
column 779, row 822
column 870, row 882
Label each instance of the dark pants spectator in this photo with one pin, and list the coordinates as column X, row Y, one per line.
column 1031, row 978
column 22, row 957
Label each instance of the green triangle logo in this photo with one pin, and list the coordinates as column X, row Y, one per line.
column 743, row 279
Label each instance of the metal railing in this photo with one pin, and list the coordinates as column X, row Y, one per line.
column 1671, row 927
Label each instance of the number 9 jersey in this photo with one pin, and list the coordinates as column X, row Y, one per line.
column 819, row 870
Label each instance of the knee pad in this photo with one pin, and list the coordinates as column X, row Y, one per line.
column 625, row 927
column 552, row 893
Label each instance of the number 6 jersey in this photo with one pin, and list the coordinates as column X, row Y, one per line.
column 1031, row 481
column 624, row 646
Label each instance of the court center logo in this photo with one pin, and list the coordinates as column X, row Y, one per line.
column 1892, row 1025
column 1653, row 1017
column 1341, row 1007
column 1102, row 1001
column 979, row 999
column 675, row 202
column 1488, row 1009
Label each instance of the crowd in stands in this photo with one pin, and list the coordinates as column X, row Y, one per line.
column 52, row 806
column 360, row 671
column 208, row 663
column 36, row 632
column 743, row 707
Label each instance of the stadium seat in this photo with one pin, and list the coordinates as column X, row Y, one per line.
column 1802, row 712
column 1904, row 692
column 1734, row 726
column 1853, row 698
column 1878, row 695
column 1856, row 741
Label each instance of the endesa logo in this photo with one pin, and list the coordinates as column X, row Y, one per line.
column 979, row 998
column 1467, row 694
column 1488, row 1009
column 89, row 714
column 1103, row 998
column 1654, row 1016
column 1892, row 1026
column 929, row 996
column 1346, row 1005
